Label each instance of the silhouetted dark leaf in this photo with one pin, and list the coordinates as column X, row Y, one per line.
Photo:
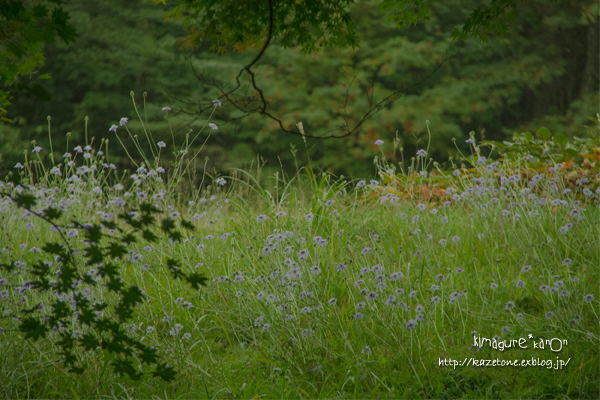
column 164, row 372
column 196, row 280
column 33, row 328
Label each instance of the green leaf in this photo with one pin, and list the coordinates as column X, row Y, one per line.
column 125, row 367
column 116, row 250
column 167, row 225
column 148, row 355
column 195, row 280
column 54, row 248
column 93, row 254
column 130, row 297
column 108, row 270
column 560, row 139
column 60, row 310
column 115, row 285
column 146, row 220
column 544, row 133
column 89, row 342
column 148, row 208
column 164, row 372
column 571, row 152
column 110, row 224
column 187, row 225
column 25, row 201
column 8, row 267
column 129, row 239
column 52, row 213
column 176, row 237
column 149, row 236
column 498, row 145
column 33, row 328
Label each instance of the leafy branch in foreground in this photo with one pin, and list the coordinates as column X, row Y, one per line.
column 313, row 25
column 89, row 302
column 256, row 102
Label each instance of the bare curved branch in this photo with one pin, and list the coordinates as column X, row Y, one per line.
column 244, row 103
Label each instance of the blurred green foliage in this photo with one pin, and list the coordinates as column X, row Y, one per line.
column 490, row 17
column 24, row 28
column 543, row 72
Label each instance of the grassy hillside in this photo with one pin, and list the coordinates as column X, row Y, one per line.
column 317, row 286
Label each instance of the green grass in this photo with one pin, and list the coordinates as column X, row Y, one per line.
column 322, row 351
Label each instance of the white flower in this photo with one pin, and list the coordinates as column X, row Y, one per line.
column 166, row 108
column 161, row 144
column 213, row 126
column 123, row 121
column 113, row 128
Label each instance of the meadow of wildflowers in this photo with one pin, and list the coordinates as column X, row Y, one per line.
column 326, row 288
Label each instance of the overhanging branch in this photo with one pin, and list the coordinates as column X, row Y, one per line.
column 246, row 104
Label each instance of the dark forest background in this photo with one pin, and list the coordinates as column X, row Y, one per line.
column 544, row 72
